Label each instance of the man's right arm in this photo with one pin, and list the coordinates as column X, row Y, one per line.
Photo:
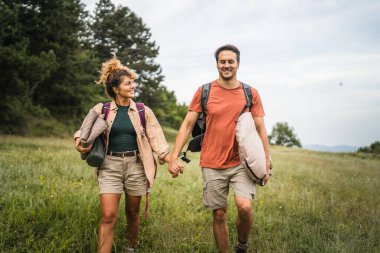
column 181, row 140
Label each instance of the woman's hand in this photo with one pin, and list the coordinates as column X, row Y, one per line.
column 79, row 147
column 175, row 166
column 167, row 159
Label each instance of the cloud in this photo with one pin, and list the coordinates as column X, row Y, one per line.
column 294, row 52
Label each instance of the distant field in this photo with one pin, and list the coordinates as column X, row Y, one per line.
column 315, row 202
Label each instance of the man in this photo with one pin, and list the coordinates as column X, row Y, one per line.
column 219, row 154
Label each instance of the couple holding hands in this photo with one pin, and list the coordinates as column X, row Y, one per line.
column 129, row 165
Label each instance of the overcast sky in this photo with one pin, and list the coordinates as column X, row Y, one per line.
column 316, row 64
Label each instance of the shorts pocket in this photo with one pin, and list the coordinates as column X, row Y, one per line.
column 204, row 194
column 215, row 194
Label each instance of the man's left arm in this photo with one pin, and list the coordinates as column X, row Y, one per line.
column 261, row 130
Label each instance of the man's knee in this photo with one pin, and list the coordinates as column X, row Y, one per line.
column 245, row 210
column 220, row 215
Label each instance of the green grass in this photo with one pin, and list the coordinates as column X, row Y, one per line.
column 315, row 202
column 170, row 134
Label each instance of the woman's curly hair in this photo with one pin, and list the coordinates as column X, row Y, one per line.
column 112, row 73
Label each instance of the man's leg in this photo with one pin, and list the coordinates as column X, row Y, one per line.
column 244, row 190
column 220, row 228
column 244, row 219
column 215, row 192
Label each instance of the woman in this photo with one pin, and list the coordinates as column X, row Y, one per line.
column 129, row 164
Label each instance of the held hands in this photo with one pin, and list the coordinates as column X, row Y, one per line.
column 81, row 149
column 175, row 167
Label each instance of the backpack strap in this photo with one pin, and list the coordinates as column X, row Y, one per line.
column 205, row 94
column 106, row 109
column 248, row 98
column 141, row 111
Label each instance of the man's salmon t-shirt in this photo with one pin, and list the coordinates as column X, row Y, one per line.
column 219, row 147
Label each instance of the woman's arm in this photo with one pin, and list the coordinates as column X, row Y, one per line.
column 156, row 136
column 77, row 134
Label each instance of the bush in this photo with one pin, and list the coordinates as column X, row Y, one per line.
column 283, row 135
column 374, row 148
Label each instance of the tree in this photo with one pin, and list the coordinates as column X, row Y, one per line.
column 374, row 148
column 45, row 66
column 283, row 135
column 50, row 54
column 22, row 71
column 121, row 31
column 58, row 26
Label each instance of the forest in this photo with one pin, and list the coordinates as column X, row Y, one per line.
column 50, row 56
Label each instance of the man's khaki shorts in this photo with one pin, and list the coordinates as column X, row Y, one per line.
column 122, row 174
column 216, row 184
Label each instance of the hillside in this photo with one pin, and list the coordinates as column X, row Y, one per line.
column 314, row 202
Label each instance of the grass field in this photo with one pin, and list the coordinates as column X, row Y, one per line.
column 315, row 202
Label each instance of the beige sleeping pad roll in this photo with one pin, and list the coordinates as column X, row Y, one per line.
column 251, row 149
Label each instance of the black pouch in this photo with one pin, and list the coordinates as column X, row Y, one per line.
column 195, row 144
column 95, row 157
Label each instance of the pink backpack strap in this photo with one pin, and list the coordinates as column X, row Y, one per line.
column 106, row 109
column 141, row 111
column 147, row 200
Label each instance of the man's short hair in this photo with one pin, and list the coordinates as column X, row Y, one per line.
column 228, row 47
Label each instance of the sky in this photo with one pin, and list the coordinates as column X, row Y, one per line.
column 315, row 63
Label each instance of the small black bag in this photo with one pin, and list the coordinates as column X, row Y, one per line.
column 95, row 157
column 195, row 144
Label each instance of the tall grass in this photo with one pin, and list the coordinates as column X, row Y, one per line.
column 314, row 202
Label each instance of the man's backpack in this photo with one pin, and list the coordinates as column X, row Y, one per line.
column 199, row 128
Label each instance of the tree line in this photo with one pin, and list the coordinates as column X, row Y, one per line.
column 50, row 55
column 373, row 148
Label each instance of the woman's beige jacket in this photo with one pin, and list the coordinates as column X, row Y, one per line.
column 153, row 141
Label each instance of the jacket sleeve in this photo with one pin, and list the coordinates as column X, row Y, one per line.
column 155, row 135
column 98, row 109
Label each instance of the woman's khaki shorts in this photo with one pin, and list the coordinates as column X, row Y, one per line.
column 216, row 184
column 122, row 174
